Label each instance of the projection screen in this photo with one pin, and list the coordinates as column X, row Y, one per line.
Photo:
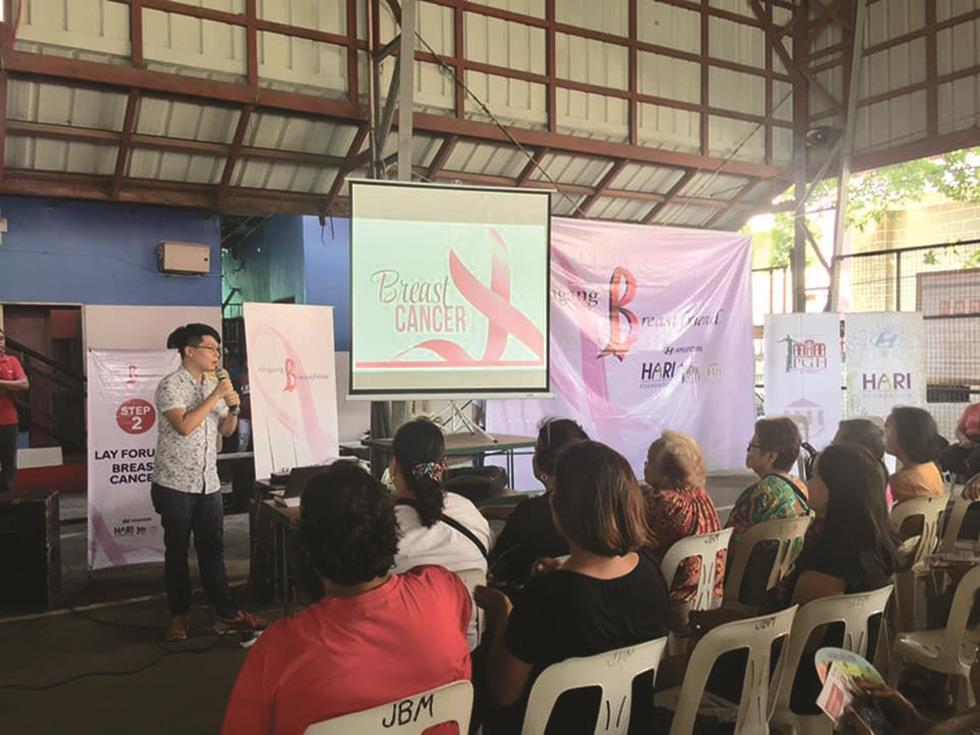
column 449, row 291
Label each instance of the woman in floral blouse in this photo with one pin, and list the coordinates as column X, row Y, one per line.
column 678, row 506
column 771, row 454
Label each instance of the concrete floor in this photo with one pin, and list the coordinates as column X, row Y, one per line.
column 117, row 626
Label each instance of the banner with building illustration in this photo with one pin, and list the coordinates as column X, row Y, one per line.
column 803, row 372
column 885, row 362
column 123, row 528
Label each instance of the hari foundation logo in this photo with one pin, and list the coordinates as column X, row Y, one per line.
column 622, row 321
column 804, row 355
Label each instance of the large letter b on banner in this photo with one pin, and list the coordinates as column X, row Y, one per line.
column 622, row 290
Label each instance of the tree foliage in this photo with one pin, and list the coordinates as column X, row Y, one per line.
column 872, row 194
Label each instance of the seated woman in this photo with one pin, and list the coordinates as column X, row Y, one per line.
column 865, row 433
column 605, row 596
column 855, row 551
column 771, row 454
column 437, row 527
column 371, row 638
column 963, row 459
column 678, row 506
column 530, row 533
column 912, row 438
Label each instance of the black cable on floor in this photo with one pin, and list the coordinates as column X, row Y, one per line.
column 167, row 652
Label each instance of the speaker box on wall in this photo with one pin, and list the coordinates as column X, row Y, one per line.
column 30, row 550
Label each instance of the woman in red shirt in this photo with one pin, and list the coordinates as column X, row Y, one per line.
column 372, row 638
column 678, row 506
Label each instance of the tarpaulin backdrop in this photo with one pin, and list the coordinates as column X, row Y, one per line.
column 651, row 328
column 123, row 528
column 293, row 383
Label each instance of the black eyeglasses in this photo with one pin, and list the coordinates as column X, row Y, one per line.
column 752, row 446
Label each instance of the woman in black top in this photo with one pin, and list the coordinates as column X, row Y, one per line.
column 854, row 550
column 605, row 596
column 530, row 534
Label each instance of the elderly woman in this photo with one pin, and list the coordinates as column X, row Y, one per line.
column 772, row 452
column 678, row 506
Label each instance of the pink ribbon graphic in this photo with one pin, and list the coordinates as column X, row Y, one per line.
column 308, row 425
column 494, row 303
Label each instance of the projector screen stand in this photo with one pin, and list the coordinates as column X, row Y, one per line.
column 453, row 418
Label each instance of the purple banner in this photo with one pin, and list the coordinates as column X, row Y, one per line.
column 651, row 328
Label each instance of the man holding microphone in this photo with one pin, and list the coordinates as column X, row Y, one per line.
column 185, row 490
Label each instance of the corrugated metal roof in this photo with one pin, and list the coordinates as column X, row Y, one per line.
column 648, row 179
column 254, row 174
column 572, row 169
column 63, row 105
column 687, row 215
column 479, row 158
column 59, row 155
column 178, row 119
column 565, row 205
column 628, row 210
column 294, row 133
column 714, row 186
column 168, row 166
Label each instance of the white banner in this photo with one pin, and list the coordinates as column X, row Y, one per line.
column 803, row 372
column 885, row 362
column 123, row 528
column 291, row 370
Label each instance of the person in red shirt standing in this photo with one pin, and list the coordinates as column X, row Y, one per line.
column 372, row 637
column 12, row 380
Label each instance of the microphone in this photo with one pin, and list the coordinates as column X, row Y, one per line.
column 222, row 374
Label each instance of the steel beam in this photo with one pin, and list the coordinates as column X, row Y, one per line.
column 406, row 88
column 847, row 149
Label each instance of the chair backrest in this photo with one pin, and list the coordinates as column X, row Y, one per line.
column 955, row 521
column 705, row 546
column 788, row 532
column 959, row 616
column 409, row 716
column 758, row 687
column 471, row 578
column 930, row 509
column 854, row 611
column 613, row 672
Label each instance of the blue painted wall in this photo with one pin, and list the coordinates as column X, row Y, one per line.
column 327, row 272
column 269, row 264
column 59, row 250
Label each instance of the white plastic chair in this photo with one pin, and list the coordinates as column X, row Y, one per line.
column 950, row 650
column 409, row 716
column 705, row 546
column 612, row 671
column 955, row 521
column 471, row 578
column 788, row 532
column 930, row 510
column 854, row 611
column 758, row 688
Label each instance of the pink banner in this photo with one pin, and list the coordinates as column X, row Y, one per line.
column 651, row 328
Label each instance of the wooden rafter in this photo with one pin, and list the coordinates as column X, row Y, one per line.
column 122, row 153
column 671, row 195
column 234, row 153
column 602, row 187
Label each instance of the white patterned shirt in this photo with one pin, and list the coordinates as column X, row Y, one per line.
column 189, row 463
